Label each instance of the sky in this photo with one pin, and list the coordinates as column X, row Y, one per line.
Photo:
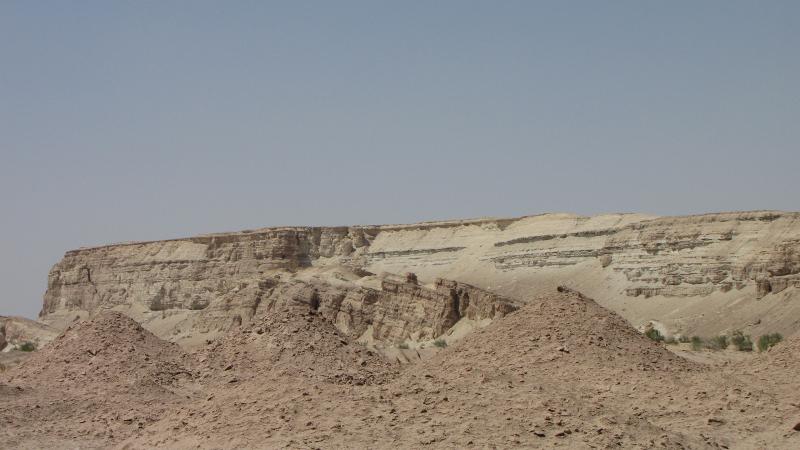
column 141, row 120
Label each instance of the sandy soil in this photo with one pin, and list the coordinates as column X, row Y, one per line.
column 12, row 358
column 560, row 372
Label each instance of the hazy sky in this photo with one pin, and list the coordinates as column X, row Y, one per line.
column 148, row 120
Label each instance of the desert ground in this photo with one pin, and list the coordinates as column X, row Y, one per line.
column 560, row 372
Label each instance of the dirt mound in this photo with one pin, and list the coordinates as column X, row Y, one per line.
column 779, row 365
column 782, row 357
column 279, row 382
column 562, row 371
column 567, row 328
column 102, row 380
column 295, row 342
column 108, row 348
column 786, row 353
column 559, row 372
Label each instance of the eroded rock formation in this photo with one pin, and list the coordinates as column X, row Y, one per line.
column 628, row 262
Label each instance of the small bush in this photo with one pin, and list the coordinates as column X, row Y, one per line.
column 27, row 346
column 670, row 341
column 697, row 343
column 718, row 342
column 746, row 345
column 684, row 339
column 654, row 334
column 768, row 340
column 441, row 343
column 403, row 346
column 742, row 341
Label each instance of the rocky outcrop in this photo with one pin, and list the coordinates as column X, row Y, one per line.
column 739, row 257
column 399, row 310
column 428, row 313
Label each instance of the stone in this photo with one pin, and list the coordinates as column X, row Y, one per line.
column 211, row 280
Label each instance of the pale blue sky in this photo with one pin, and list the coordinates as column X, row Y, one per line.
column 147, row 120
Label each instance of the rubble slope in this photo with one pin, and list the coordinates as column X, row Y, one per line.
column 559, row 372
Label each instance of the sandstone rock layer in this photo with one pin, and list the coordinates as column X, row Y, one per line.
column 705, row 273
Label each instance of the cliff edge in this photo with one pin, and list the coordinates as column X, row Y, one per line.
column 691, row 274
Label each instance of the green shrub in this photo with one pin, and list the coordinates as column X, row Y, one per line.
column 654, row 334
column 768, row 340
column 697, row 343
column 27, row 346
column 742, row 341
column 718, row 342
column 670, row 341
column 684, row 339
column 441, row 343
column 403, row 346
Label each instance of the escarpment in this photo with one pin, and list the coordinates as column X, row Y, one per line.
column 187, row 273
column 682, row 271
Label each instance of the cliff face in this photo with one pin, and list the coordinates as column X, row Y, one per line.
column 187, row 273
column 674, row 256
column 400, row 310
column 685, row 271
column 215, row 282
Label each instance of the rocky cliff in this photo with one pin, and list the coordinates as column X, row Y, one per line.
column 693, row 274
